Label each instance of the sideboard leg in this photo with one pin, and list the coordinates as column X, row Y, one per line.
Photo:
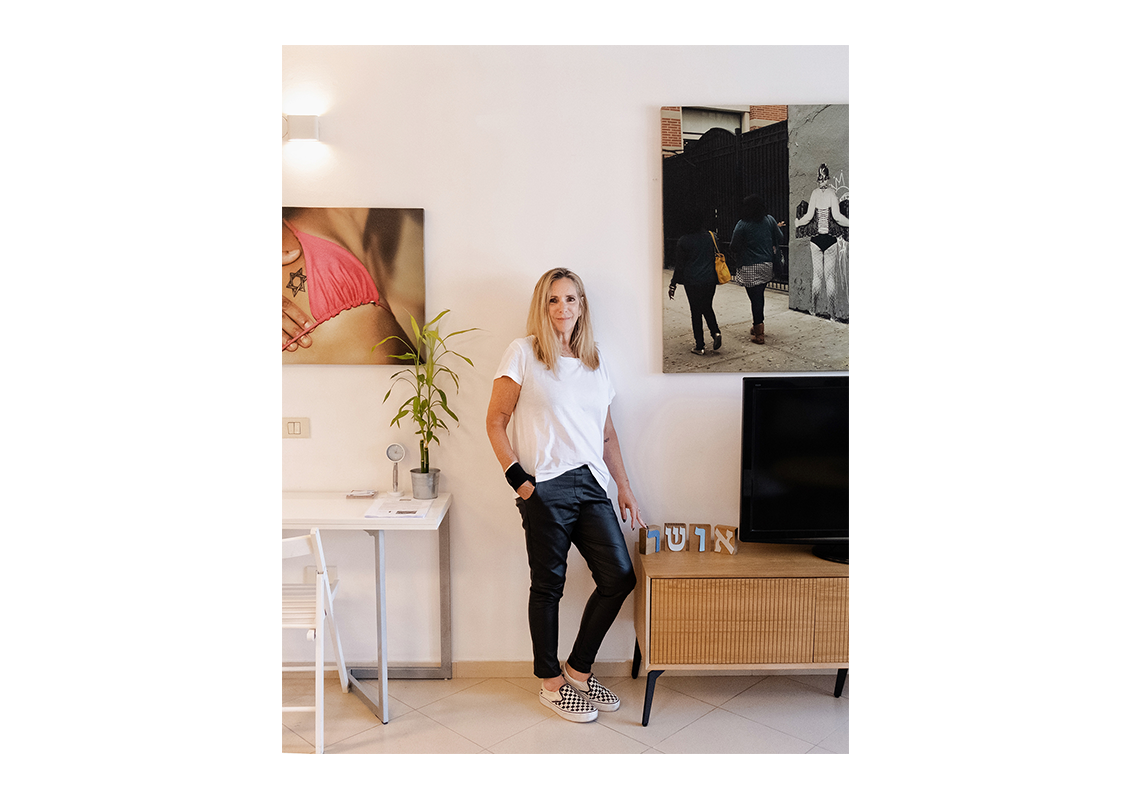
column 636, row 659
column 841, row 675
column 653, row 675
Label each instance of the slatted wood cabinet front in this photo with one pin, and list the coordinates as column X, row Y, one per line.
column 766, row 605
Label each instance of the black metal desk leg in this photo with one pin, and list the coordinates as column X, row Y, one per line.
column 841, row 675
column 636, row 659
column 653, row 675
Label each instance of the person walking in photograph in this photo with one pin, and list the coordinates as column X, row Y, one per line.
column 695, row 268
column 753, row 243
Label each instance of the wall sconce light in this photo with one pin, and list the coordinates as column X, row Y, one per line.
column 300, row 129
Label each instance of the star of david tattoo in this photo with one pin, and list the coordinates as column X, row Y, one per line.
column 301, row 286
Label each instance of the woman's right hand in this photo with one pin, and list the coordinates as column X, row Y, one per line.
column 295, row 321
column 526, row 490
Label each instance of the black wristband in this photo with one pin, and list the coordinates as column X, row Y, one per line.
column 516, row 477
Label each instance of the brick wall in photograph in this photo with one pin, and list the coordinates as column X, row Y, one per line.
column 767, row 114
column 671, row 130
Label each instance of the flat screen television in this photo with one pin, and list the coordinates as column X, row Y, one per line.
column 795, row 463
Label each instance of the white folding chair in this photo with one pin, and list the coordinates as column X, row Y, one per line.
column 311, row 606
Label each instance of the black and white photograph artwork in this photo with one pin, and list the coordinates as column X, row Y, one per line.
column 762, row 191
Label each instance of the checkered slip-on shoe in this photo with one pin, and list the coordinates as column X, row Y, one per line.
column 569, row 704
column 601, row 698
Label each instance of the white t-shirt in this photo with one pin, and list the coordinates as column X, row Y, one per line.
column 559, row 420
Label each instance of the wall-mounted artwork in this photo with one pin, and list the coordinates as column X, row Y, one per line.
column 351, row 278
column 768, row 187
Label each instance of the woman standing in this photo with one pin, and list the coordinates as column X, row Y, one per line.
column 827, row 225
column 553, row 389
column 752, row 246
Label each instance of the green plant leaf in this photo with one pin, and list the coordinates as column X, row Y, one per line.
column 428, row 397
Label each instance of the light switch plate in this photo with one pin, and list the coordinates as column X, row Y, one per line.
column 296, row 428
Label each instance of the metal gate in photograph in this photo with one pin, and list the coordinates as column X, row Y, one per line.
column 716, row 172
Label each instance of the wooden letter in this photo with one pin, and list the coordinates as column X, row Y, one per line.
column 676, row 535
column 651, row 532
column 724, row 539
column 701, row 530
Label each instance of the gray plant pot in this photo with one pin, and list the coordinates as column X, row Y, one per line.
column 425, row 484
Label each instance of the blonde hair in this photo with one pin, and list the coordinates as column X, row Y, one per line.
column 540, row 327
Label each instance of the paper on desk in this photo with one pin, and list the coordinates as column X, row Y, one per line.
column 398, row 508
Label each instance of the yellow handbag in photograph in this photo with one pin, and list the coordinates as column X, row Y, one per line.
column 721, row 271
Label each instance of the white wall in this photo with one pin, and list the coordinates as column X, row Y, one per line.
column 499, row 147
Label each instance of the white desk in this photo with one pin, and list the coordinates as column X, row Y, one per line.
column 333, row 511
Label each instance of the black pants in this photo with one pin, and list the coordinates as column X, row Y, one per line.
column 757, row 295
column 573, row 509
column 700, row 297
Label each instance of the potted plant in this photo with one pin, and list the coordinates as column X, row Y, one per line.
column 428, row 403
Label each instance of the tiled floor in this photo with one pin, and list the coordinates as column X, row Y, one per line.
column 747, row 714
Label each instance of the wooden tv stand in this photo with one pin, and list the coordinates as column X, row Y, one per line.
column 769, row 605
